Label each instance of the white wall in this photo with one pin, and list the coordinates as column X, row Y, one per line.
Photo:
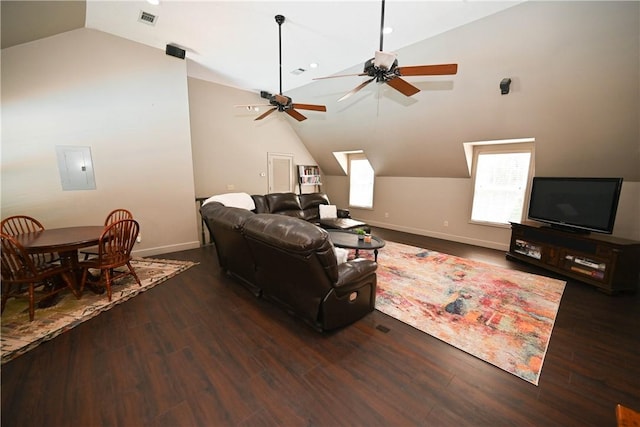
column 229, row 147
column 422, row 205
column 126, row 101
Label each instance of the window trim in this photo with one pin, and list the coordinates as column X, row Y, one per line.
column 360, row 156
column 524, row 145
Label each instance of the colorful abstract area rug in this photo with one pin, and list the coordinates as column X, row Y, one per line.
column 19, row 335
column 504, row 317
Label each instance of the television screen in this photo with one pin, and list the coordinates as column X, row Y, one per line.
column 580, row 204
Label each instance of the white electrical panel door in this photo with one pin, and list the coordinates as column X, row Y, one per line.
column 280, row 173
column 76, row 168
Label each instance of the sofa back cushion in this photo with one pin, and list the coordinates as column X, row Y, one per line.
column 295, row 261
column 284, row 204
column 225, row 225
column 309, row 204
column 261, row 203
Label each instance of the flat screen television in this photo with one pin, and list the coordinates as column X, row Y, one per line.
column 575, row 204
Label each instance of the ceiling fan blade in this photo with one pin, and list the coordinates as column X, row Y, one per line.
column 296, row 115
column 356, row 89
column 339, row 75
column 265, row 114
column 312, row 107
column 403, row 86
column 428, row 70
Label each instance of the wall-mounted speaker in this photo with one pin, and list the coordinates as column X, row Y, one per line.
column 175, row 51
column 504, row 85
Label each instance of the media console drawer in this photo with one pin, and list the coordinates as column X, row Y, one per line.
column 612, row 264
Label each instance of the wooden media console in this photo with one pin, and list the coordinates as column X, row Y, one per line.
column 610, row 263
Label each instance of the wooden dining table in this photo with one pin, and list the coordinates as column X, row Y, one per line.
column 65, row 242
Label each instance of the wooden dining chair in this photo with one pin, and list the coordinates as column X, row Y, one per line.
column 113, row 216
column 117, row 215
column 22, row 224
column 114, row 250
column 19, row 269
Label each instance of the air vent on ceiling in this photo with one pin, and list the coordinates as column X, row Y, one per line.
column 298, row 71
column 147, row 18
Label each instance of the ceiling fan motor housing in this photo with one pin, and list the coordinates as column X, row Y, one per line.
column 381, row 74
column 281, row 101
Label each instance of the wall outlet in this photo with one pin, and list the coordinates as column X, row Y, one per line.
column 231, row 187
column 139, row 238
column 446, row 223
column 386, row 214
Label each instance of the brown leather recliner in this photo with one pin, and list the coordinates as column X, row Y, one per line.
column 295, row 265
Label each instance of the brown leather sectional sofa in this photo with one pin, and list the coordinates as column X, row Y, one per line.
column 292, row 262
column 305, row 206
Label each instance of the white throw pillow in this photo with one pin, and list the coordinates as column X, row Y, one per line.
column 341, row 255
column 328, row 211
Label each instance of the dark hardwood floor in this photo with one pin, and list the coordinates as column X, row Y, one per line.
column 200, row 350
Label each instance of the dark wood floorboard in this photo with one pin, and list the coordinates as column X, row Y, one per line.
column 201, row 350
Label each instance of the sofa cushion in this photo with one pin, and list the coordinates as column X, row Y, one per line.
column 328, row 211
column 310, row 203
column 295, row 236
column 230, row 218
column 225, row 226
column 291, row 234
column 344, row 224
column 284, row 203
column 261, row 203
column 313, row 200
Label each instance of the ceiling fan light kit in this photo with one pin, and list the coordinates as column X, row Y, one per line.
column 384, row 60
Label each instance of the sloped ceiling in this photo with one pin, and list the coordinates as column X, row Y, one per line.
column 235, row 43
column 25, row 21
column 574, row 70
column 540, row 45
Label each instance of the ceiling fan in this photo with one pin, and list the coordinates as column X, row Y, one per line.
column 383, row 68
column 279, row 101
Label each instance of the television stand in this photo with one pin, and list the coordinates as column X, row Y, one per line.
column 610, row 263
column 568, row 229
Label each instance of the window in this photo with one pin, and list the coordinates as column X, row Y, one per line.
column 360, row 181
column 501, row 177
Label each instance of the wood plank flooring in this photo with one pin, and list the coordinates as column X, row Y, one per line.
column 201, row 350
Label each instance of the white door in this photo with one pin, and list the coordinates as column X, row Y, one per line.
column 280, row 173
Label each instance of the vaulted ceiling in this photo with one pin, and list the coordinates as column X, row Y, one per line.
column 235, row 43
column 540, row 45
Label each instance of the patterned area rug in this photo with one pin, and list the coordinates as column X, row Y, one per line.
column 504, row 317
column 19, row 335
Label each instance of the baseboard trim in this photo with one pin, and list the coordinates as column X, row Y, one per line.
column 159, row 250
column 452, row 237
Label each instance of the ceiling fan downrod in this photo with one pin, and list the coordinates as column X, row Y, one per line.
column 280, row 21
column 382, row 27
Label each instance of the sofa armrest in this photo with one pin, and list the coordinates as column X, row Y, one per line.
column 351, row 272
